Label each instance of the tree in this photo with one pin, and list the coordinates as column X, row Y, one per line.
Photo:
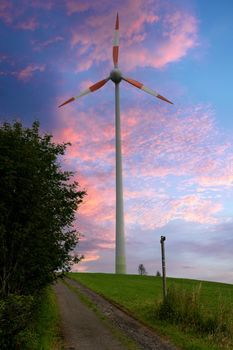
column 38, row 203
column 158, row 274
column 141, row 270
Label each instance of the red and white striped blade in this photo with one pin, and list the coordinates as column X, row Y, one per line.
column 146, row 89
column 92, row 88
column 67, row 101
column 115, row 52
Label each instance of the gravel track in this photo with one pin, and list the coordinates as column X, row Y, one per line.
column 145, row 338
column 82, row 329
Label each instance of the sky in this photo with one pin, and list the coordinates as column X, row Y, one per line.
column 177, row 159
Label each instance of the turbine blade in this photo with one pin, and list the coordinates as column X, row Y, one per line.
column 92, row 88
column 146, row 89
column 115, row 52
column 67, row 101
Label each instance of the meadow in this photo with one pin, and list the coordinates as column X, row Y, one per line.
column 210, row 305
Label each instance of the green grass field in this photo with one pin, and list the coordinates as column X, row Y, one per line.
column 140, row 296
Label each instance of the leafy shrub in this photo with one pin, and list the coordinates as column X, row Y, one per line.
column 38, row 203
column 15, row 315
column 184, row 307
column 181, row 306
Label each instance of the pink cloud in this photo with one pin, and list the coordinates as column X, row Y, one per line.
column 91, row 256
column 181, row 35
column 106, row 245
column 75, row 6
column 27, row 73
column 86, row 84
column 14, row 15
column 154, row 210
column 156, row 145
column 173, row 46
column 171, row 35
column 6, row 11
column 92, row 137
column 3, row 57
column 79, row 267
column 40, row 45
column 29, row 24
column 96, row 200
column 187, row 143
column 218, row 181
column 159, row 144
column 45, row 5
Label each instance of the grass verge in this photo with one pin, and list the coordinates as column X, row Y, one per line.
column 44, row 332
column 48, row 323
column 142, row 297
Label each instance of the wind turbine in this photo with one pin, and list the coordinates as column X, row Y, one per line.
column 116, row 76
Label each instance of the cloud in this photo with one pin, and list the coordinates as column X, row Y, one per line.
column 179, row 35
column 6, row 11
column 16, row 15
column 3, row 57
column 29, row 24
column 91, row 256
column 160, row 147
column 40, row 45
column 38, row 4
column 176, row 164
column 79, row 267
column 27, row 73
column 176, row 32
column 152, row 210
column 75, row 6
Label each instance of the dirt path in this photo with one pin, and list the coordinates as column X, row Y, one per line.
column 145, row 338
column 81, row 328
column 80, row 323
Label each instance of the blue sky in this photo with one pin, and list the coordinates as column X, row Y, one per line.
column 177, row 160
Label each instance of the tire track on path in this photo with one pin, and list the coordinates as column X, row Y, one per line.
column 81, row 327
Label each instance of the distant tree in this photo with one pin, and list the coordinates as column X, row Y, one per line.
column 158, row 274
column 38, row 203
column 141, row 270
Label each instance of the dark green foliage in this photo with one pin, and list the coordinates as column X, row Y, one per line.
column 141, row 269
column 15, row 314
column 181, row 306
column 43, row 328
column 37, row 207
column 38, row 203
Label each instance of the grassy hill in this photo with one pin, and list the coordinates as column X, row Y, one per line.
column 198, row 315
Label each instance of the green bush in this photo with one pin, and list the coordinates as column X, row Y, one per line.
column 181, row 306
column 184, row 308
column 15, row 315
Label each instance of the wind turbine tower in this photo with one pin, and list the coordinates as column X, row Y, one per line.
column 116, row 76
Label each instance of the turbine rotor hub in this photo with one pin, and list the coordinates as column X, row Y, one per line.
column 116, row 76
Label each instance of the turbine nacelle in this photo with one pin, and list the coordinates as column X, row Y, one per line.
column 116, row 76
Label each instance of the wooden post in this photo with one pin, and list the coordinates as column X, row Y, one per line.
column 163, row 238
